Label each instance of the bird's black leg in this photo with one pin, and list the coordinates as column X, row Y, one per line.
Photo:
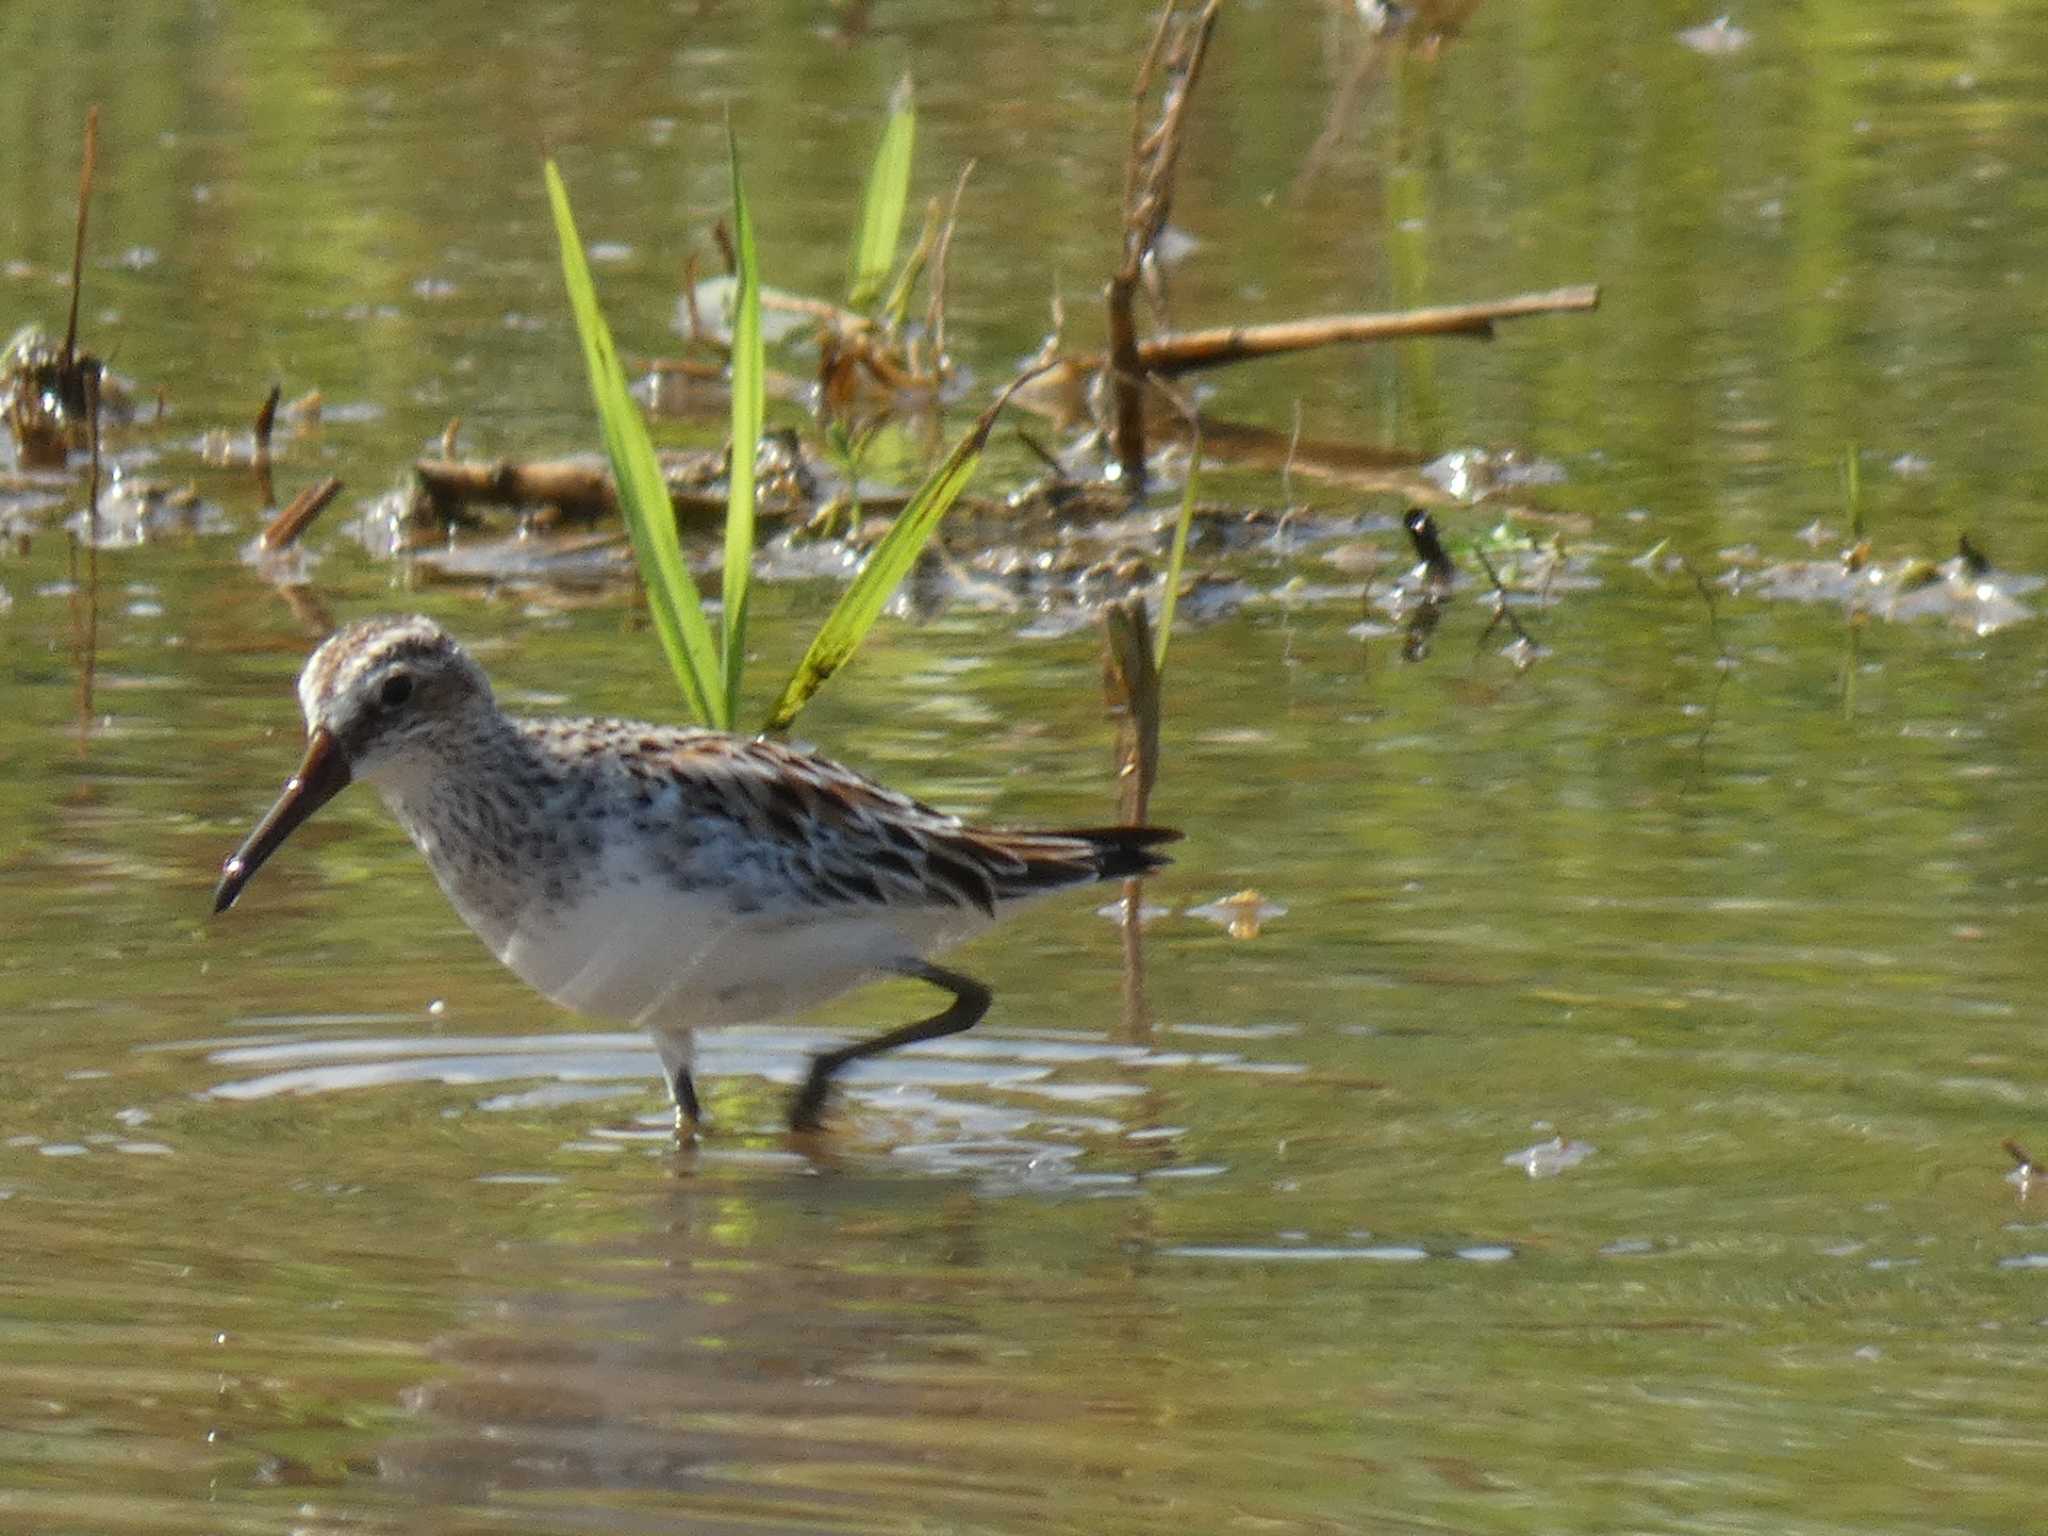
column 970, row 1002
column 678, row 1050
column 685, row 1093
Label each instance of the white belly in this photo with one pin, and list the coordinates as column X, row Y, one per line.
column 651, row 955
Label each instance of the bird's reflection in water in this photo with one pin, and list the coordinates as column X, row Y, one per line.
column 778, row 1348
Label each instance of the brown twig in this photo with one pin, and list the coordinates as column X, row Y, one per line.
column 266, row 419
column 1141, row 89
column 1148, row 194
column 86, row 171
column 295, row 519
column 1184, row 351
column 1150, row 167
column 1127, row 385
column 1130, row 687
column 935, row 314
column 1130, row 684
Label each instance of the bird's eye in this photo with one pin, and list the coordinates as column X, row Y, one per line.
column 396, row 690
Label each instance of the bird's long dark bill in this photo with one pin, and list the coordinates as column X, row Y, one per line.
column 321, row 776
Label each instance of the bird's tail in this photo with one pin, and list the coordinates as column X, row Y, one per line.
column 1020, row 864
column 1121, row 852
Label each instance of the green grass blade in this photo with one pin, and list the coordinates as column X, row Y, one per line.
column 643, row 494
column 1178, row 557
column 749, row 367
column 881, row 213
column 886, row 566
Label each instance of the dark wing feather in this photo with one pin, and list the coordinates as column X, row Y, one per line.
column 836, row 835
column 1046, row 861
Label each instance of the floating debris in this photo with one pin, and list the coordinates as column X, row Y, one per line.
column 135, row 511
column 1963, row 591
column 1651, row 558
column 1717, row 37
column 1467, row 474
column 2026, row 1170
column 44, row 399
column 1243, row 914
column 1549, row 1158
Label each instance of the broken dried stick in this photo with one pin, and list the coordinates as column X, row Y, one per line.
column 1185, row 351
column 265, row 422
column 296, row 518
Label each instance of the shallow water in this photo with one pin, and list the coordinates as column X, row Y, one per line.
column 317, row 1221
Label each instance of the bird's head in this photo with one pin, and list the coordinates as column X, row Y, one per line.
column 384, row 700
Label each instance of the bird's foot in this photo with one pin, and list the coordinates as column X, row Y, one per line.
column 807, row 1109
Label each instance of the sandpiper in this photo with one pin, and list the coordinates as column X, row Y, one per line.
column 667, row 876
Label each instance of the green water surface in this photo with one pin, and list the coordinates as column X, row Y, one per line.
column 314, row 1220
